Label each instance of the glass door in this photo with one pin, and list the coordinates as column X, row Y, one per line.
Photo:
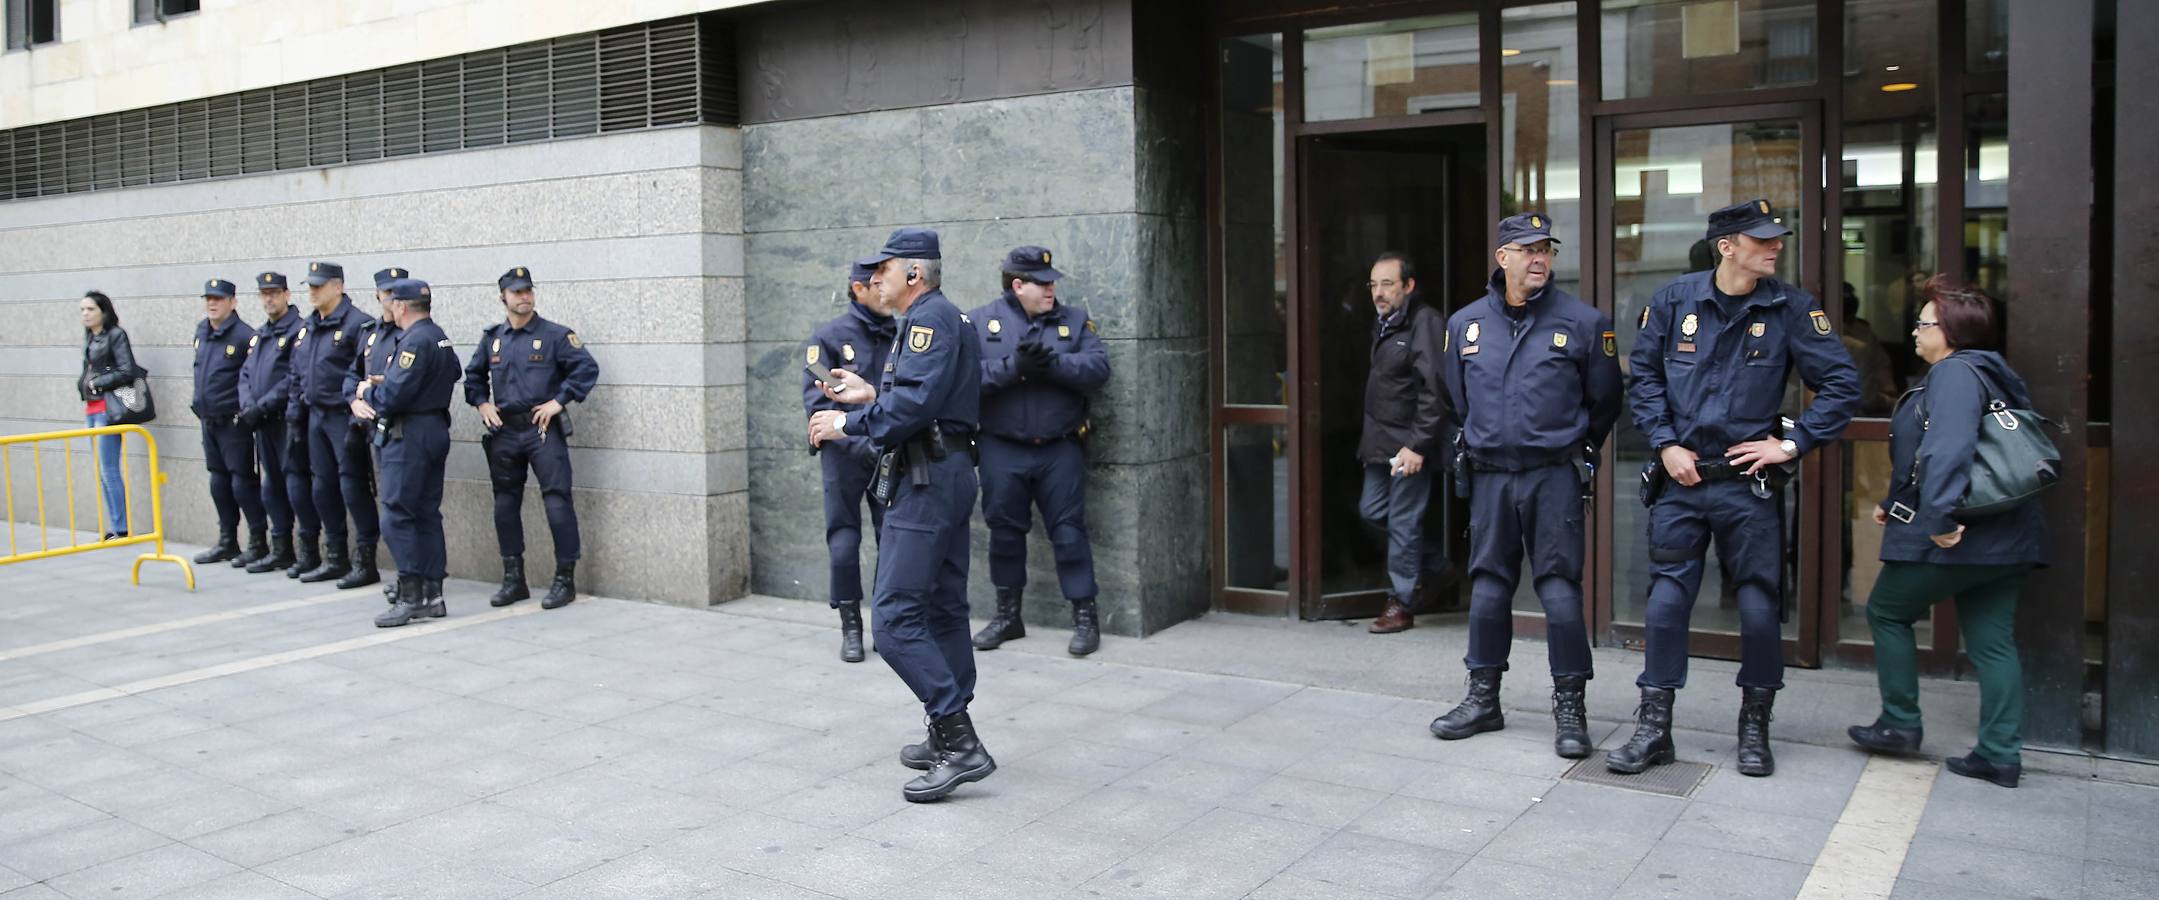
column 1668, row 171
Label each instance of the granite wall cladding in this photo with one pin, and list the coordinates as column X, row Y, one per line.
column 1107, row 179
column 635, row 240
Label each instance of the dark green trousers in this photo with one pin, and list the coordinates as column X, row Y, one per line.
column 1986, row 598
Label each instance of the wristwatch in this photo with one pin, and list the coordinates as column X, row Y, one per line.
column 1790, row 447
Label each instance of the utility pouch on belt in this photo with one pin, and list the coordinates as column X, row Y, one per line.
column 1461, row 466
column 381, row 436
column 1654, row 479
column 918, row 463
column 886, row 487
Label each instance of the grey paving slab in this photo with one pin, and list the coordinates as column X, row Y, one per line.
column 1752, row 832
column 148, row 874
column 1377, row 865
column 349, row 865
column 241, row 885
column 1304, row 800
column 2106, row 881
column 1485, row 878
column 1166, row 874
column 78, row 847
column 1430, row 823
column 274, row 837
column 1991, row 869
column 1676, row 870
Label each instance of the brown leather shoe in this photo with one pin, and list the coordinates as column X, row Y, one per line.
column 1395, row 618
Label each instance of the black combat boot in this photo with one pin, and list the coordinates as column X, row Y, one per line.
column 1006, row 625
column 923, row 755
column 1477, row 713
column 1651, row 744
column 258, row 549
column 280, row 556
column 389, row 590
column 227, row 548
column 1754, row 756
column 1086, row 629
column 411, row 606
column 513, row 586
column 363, row 568
column 1570, row 718
column 851, row 632
column 564, row 588
column 960, row 759
column 335, row 564
column 305, row 557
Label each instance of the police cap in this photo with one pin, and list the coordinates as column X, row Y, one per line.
column 270, row 281
column 861, row 270
column 390, row 276
column 324, row 272
column 517, row 279
column 409, row 289
column 1526, row 229
column 910, row 243
column 219, row 287
column 1752, row 218
column 1031, row 263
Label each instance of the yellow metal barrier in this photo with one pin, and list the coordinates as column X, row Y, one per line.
column 66, row 440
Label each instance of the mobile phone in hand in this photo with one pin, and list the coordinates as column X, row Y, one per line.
column 823, row 377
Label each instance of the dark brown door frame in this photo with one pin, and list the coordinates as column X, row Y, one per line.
column 1809, row 593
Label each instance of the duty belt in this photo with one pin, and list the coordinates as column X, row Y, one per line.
column 1526, row 464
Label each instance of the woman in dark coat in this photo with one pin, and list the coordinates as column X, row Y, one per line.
column 108, row 361
column 1930, row 555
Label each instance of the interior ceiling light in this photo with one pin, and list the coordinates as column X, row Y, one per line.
column 1559, row 82
column 1898, row 87
column 1892, row 68
column 1509, row 51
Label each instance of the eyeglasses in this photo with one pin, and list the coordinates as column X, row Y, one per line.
column 1923, row 325
column 1546, row 250
column 1386, row 283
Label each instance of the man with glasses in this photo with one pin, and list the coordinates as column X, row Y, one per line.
column 1405, row 407
column 1533, row 377
column 1709, row 365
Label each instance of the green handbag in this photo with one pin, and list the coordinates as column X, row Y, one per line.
column 2013, row 461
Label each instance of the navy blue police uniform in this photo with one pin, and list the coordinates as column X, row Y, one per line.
column 322, row 354
column 1534, row 390
column 228, row 451
column 265, row 381
column 517, row 368
column 1709, row 373
column 1037, row 375
column 378, row 342
column 857, row 340
column 926, row 413
column 413, row 401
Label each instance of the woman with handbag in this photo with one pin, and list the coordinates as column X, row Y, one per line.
column 1940, row 541
column 108, row 361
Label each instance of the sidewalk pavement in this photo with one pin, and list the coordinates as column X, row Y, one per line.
column 258, row 738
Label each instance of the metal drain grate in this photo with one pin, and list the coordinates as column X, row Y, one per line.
column 1677, row 779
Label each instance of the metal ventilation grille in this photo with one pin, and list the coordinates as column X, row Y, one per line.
column 652, row 75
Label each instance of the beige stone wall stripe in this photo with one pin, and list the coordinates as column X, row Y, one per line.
column 177, row 624
column 238, row 666
column 1866, row 848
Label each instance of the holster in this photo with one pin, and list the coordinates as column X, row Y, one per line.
column 1460, row 466
column 384, row 430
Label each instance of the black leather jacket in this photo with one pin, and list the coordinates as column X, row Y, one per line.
column 108, row 361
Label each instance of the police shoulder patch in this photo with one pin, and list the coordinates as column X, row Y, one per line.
column 1090, row 326
column 576, row 341
column 1611, row 344
column 810, row 355
column 919, row 337
column 1821, row 321
column 230, row 349
column 1559, row 340
column 1645, row 319
column 405, row 359
column 444, row 344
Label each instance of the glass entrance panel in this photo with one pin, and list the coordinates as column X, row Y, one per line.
column 1404, row 67
column 1665, row 182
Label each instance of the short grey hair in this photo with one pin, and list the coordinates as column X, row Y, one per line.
column 933, row 272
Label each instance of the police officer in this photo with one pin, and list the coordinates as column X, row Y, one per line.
column 1533, row 380
column 1405, row 409
column 857, row 340
column 265, row 380
column 1040, row 362
column 922, row 417
column 368, row 367
column 413, row 403
column 322, row 353
column 1709, row 365
column 525, row 370
column 222, row 342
